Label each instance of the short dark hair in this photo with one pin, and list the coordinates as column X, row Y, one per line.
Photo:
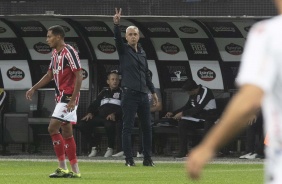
column 189, row 85
column 112, row 72
column 57, row 30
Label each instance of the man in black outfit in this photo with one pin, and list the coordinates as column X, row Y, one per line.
column 199, row 112
column 104, row 111
column 254, row 148
column 135, row 84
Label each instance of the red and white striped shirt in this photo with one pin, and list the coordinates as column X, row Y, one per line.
column 63, row 65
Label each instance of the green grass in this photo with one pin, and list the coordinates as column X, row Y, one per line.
column 34, row 172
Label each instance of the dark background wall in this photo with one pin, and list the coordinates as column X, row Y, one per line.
column 141, row 7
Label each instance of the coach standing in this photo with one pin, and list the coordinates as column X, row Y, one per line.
column 135, row 83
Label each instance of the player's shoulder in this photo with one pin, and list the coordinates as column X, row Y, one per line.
column 70, row 48
column 267, row 26
column 103, row 91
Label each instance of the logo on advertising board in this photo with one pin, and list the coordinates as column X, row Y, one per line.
column 42, row 48
column 106, row 48
column 199, row 48
column 223, row 29
column 2, row 30
column 234, row 49
column 66, row 28
column 123, row 28
column 170, row 48
column 84, row 73
column 178, row 73
column 15, row 74
column 74, row 45
column 189, row 30
column 8, row 48
column 31, row 29
column 206, row 74
column 247, row 28
column 96, row 28
column 159, row 29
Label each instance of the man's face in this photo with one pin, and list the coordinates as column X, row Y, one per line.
column 113, row 80
column 52, row 40
column 132, row 36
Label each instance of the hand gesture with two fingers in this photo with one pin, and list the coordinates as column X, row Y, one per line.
column 117, row 16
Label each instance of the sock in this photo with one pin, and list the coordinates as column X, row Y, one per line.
column 59, row 148
column 71, row 153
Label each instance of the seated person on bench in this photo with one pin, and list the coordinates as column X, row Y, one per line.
column 104, row 111
column 198, row 113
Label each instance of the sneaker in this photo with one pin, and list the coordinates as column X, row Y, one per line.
column 148, row 162
column 109, row 152
column 60, row 173
column 246, row 155
column 139, row 155
column 252, row 156
column 74, row 175
column 119, row 154
column 129, row 162
column 93, row 152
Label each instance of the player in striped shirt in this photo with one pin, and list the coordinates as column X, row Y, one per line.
column 65, row 70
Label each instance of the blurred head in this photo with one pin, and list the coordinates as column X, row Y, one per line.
column 113, row 79
column 55, row 36
column 190, row 86
column 132, row 35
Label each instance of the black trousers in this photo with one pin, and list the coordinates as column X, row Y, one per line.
column 136, row 102
column 113, row 131
column 184, row 125
column 255, row 131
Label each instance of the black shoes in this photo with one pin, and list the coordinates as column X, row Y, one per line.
column 148, row 162
column 129, row 162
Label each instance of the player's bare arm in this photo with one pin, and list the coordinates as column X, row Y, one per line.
column 43, row 81
column 232, row 121
column 77, row 86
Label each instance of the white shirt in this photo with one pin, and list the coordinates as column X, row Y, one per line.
column 262, row 66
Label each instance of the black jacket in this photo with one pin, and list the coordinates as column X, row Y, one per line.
column 201, row 105
column 133, row 65
column 107, row 102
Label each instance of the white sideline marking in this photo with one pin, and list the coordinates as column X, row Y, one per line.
column 177, row 161
column 137, row 172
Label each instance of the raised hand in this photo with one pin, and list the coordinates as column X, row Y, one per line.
column 117, row 16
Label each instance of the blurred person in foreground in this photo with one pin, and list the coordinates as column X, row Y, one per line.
column 260, row 81
column 66, row 71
